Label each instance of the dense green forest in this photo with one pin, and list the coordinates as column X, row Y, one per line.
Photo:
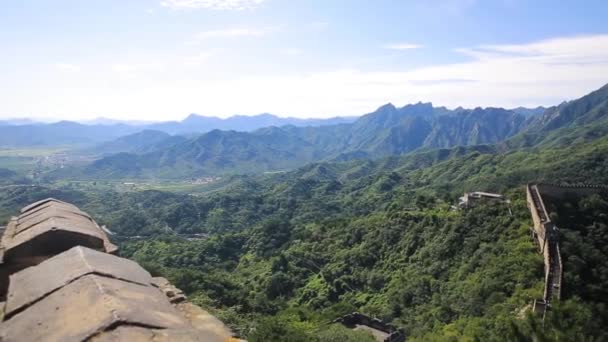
column 193, row 140
column 279, row 256
column 285, row 254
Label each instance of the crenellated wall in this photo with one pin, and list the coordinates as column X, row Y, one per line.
column 61, row 282
column 547, row 236
column 546, row 232
column 394, row 334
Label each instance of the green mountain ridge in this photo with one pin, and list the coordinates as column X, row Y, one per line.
column 286, row 253
column 140, row 142
column 388, row 131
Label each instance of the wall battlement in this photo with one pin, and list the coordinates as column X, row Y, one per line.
column 389, row 333
column 547, row 235
column 61, row 282
column 546, row 232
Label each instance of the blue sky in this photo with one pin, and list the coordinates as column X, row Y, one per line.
column 164, row 59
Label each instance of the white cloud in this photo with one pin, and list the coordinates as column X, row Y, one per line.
column 192, row 42
column 402, row 46
column 68, row 67
column 129, row 68
column 212, row 4
column 234, row 32
column 537, row 73
column 290, row 51
column 198, row 59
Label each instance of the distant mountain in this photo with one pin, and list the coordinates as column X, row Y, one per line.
column 104, row 130
column 22, row 133
column 60, row 134
column 140, row 142
column 393, row 131
column 241, row 123
column 529, row 112
column 210, row 153
column 588, row 109
column 385, row 132
column 572, row 122
column 110, row 122
column 16, row 122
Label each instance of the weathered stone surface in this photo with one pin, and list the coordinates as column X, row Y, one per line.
column 89, row 306
column 26, row 222
column 202, row 320
column 52, row 236
column 60, row 290
column 174, row 294
column 37, row 205
column 135, row 334
column 34, row 283
column 49, row 206
column 49, row 227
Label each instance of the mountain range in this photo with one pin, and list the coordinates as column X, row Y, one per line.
column 27, row 133
column 385, row 132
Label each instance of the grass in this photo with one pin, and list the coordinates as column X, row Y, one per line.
column 133, row 185
column 17, row 164
column 30, row 152
column 24, row 160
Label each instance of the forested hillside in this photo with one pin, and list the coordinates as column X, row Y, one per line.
column 436, row 170
column 387, row 131
column 284, row 254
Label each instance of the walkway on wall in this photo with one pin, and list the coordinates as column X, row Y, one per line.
column 538, row 203
column 554, row 278
column 549, row 246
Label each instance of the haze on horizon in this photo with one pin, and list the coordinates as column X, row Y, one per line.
column 155, row 60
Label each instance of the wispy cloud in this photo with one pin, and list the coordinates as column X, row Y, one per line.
column 211, row 4
column 68, row 67
column 530, row 74
column 290, row 51
column 509, row 75
column 402, row 46
column 235, row 32
column 576, row 50
column 199, row 59
column 128, row 68
column 441, row 81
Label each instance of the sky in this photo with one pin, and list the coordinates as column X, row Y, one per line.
column 164, row 59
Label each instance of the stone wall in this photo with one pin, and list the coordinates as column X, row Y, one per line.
column 351, row 320
column 546, row 232
column 79, row 291
column 546, row 235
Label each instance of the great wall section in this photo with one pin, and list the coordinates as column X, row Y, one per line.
column 60, row 281
column 546, row 233
column 547, row 236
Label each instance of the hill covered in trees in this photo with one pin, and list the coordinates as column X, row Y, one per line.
column 279, row 256
column 284, row 254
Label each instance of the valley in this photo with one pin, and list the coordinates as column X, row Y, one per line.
column 304, row 171
column 279, row 254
